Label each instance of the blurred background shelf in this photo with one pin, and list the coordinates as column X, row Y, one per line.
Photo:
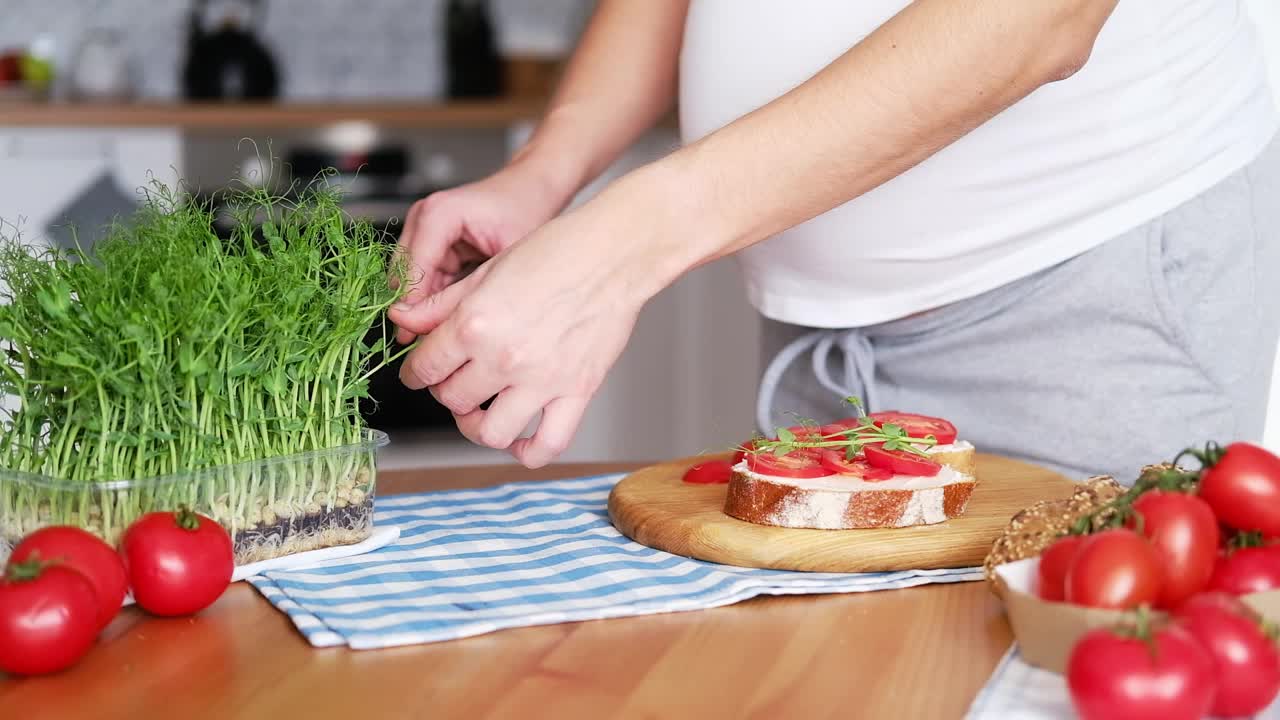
column 222, row 116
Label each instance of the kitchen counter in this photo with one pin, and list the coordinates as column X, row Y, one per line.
column 921, row 652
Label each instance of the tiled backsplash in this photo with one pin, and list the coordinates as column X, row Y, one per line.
column 325, row 49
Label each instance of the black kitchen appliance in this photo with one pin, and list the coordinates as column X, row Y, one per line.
column 474, row 66
column 228, row 62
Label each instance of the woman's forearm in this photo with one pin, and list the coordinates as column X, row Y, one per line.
column 925, row 78
column 619, row 82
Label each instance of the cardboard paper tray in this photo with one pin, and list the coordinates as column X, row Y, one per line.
column 1046, row 631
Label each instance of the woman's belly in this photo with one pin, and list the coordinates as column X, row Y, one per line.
column 1173, row 98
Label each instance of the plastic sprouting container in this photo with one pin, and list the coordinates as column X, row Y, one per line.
column 271, row 507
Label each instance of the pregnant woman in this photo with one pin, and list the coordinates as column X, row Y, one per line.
column 1056, row 223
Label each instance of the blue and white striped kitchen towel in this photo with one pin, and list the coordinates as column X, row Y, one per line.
column 469, row 562
column 1020, row 691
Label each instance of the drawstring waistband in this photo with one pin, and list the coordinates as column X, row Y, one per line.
column 859, row 370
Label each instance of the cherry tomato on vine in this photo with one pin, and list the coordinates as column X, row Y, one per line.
column 1055, row 560
column 1113, row 675
column 1117, row 569
column 1247, row 570
column 1242, row 485
column 1184, row 532
column 1246, row 661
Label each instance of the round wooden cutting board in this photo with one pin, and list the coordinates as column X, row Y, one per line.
column 654, row 507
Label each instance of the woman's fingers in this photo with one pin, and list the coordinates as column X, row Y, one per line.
column 432, row 227
column 466, row 388
column 419, row 318
column 560, row 420
column 501, row 424
column 439, row 353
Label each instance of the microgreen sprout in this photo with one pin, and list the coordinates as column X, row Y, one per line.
column 167, row 348
column 849, row 440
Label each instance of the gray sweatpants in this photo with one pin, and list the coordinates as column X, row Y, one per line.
column 1159, row 339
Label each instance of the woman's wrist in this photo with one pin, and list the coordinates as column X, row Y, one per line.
column 555, row 156
column 650, row 227
column 554, row 177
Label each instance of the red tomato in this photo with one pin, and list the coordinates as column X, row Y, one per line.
column 48, row 618
column 803, row 463
column 806, row 433
column 833, row 428
column 85, row 553
column 709, row 472
column 1246, row 661
column 841, row 425
column 918, row 426
column 1116, row 569
column 834, row 460
column 1243, row 488
column 1247, row 570
column 900, row 461
column 1184, row 532
column 1054, row 563
column 1114, row 677
column 178, row 562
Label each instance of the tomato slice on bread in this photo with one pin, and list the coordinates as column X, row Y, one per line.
column 840, row 426
column 900, row 462
column 806, row 433
column 741, row 455
column 804, row 463
column 834, row 460
column 917, row 426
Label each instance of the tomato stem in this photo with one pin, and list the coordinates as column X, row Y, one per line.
column 1241, row 540
column 187, row 520
column 1117, row 512
column 1142, row 630
column 26, row 570
column 1210, row 456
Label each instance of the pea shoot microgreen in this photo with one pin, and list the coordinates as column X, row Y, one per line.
column 168, row 346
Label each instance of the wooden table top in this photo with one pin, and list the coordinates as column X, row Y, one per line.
column 916, row 653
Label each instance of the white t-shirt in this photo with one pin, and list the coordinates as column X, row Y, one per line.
column 1173, row 99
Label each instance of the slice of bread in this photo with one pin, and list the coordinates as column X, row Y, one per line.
column 844, row 502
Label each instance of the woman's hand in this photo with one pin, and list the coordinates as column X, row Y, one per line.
column 538, row 327
column 451, row 229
